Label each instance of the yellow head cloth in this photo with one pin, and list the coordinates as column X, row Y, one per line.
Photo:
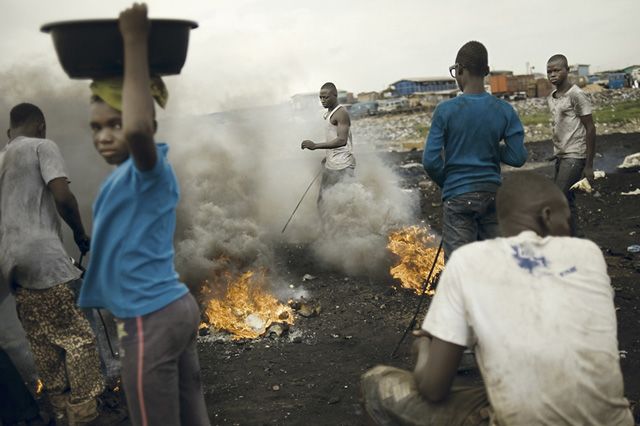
column 110, row 91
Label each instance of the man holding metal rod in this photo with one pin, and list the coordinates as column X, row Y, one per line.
column 339, row 162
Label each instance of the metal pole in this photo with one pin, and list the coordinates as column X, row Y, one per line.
column 412, row 324
column 299, row 202
column 104, row 324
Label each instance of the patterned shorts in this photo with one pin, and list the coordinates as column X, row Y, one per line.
column 62, row 342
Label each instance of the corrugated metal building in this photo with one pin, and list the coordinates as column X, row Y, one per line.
column 407, row 86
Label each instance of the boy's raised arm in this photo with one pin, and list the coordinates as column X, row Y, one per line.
column 137, row 104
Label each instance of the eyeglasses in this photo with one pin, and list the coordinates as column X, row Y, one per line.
column 453, row 70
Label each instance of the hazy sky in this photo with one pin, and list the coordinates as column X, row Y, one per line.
column 259, row 51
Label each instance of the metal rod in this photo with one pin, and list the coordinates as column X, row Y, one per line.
column 106, row 333
column 300, row 202
column 412, row 324
column 104, row 324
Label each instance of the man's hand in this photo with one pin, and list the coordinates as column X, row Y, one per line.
column 308, row 145
column 588, row 173
column 83, row 242
column 133, row 22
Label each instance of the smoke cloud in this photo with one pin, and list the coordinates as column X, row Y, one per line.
column 241, row 174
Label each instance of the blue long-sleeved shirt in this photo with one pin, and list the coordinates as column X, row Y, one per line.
column 463, row 151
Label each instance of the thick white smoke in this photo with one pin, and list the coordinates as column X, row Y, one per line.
column 242, row 174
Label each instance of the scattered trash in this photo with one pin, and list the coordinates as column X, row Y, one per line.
column 333, row 400
column 275, row 387
column 277, row 329
column 582, row 185
column 634, row 192
column 635, row 248
column 410, row 165
column 308, row 277
column 623, row 354
column 599, row 174
column 306, row 308
column 631, row 162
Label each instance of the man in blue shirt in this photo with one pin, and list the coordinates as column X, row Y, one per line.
column 131, row 271
column 464, row 151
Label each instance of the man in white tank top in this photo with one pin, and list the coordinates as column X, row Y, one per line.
column 339, row 162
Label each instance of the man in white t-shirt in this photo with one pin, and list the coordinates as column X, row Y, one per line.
column 536, row 307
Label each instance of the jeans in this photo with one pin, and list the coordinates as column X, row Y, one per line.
column 467, row 218
column 569, row 171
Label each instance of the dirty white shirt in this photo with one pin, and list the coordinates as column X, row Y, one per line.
column 31, row 250
column 342, row 157
column 569, row 134
column 539, row 314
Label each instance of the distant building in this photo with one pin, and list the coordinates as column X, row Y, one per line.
column 431, row 99
column 368, row 96
column 345, row 97
column 581, row 70
column 407, row 86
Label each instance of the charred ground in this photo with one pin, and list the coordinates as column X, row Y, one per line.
column 311, row 375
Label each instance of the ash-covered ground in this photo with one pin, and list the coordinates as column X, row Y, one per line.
column 310, row 375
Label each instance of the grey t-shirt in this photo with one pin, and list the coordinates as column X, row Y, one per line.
column 569, row 134
column 31, row 251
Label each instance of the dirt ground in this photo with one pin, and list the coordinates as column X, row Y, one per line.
column 311, row 375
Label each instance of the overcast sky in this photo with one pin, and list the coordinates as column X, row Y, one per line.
column 259, row 51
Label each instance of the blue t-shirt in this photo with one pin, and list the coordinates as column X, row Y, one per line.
column 131, row 272
column 463, row 150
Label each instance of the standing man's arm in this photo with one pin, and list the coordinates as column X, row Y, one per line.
column 587, row 122
column 343, row 123
column 138, row 122
column 513, row 152
column 432, row 156
column 67, row 207
column 583, row 109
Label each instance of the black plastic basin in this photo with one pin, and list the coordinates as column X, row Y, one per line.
column 93, row 48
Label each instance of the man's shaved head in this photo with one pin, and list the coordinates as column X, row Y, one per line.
column 25, row 113
column 26, row 120
column 559, row 58
column 331, row 87
column 529, row 201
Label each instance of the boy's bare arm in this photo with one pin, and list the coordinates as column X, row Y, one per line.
column 587, row 122
column 344, row 125
column 137, row 103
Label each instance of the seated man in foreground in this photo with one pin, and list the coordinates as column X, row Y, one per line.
column 537, row 308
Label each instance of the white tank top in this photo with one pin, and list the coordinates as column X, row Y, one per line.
column 342, row 157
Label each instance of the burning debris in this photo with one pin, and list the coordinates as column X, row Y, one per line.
column 416, row 250
column 305, row 308
column 247, row 309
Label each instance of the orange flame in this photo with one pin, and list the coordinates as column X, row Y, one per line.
column 246, row 310
column 39, row 387
column 415, row 249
